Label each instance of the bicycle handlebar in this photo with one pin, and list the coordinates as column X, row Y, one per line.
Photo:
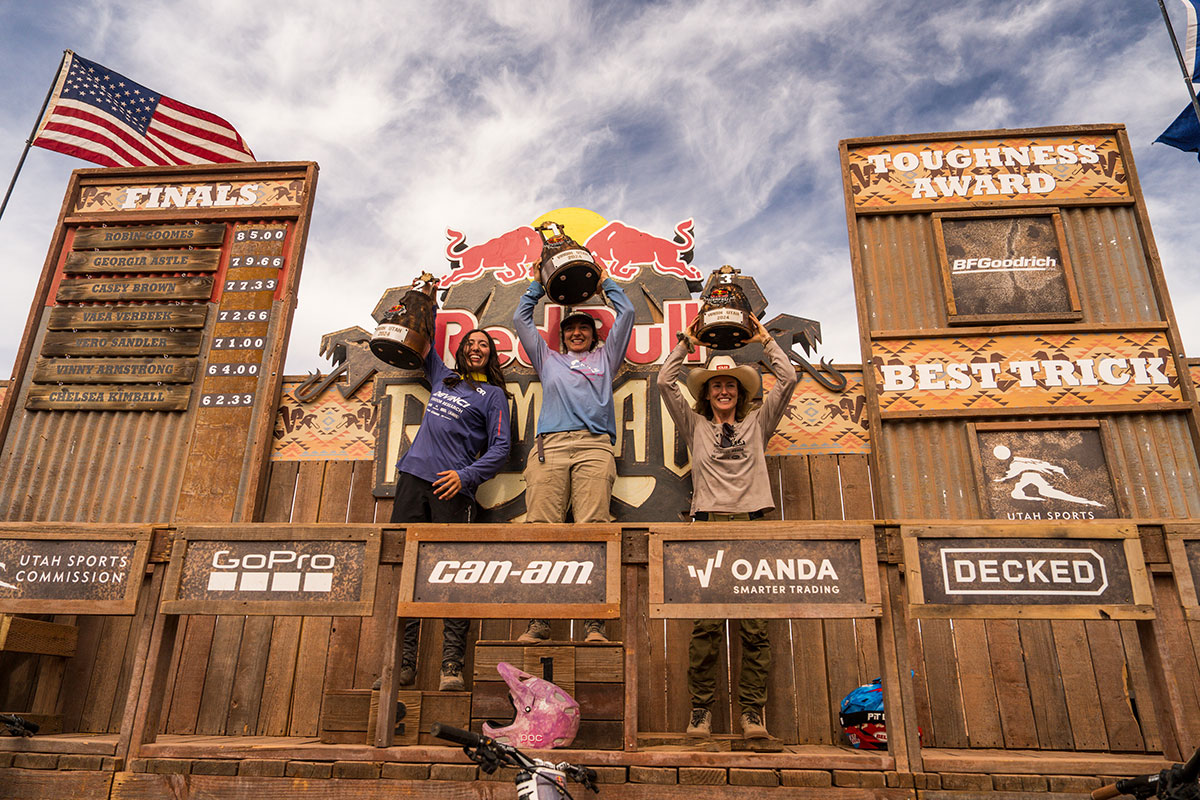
column 456, row 735
column 18, row 726
column 1165, row 782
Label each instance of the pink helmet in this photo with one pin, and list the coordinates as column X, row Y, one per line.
column 546, row 715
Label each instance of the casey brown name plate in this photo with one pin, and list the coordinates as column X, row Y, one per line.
column 113, row 290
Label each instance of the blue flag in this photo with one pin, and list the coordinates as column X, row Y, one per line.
column 1184, row 132
column 1191, row 53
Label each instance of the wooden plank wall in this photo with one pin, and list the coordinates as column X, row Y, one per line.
column 815, row 662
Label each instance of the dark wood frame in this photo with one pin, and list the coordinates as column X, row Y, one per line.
column 610, row 535
column 1143, row 598
column 140, row 535
column 864, row 533
column 1189, row 592
column 1106, row 446
column 368, row 534
column 954, row 318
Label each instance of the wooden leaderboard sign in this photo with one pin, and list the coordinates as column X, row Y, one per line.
column 217, row 569
column 540, row 571
column 60, row 571
column 1090, row 571
column 764, row 570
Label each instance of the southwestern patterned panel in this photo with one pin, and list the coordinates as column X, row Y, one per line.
column 1055, row 371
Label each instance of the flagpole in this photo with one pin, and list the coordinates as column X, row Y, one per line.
column 32, row 133
column 1182, row 65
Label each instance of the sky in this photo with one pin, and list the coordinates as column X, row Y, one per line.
column 482, row 116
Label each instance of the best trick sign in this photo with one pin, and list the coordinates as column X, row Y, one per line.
column 1082, row 570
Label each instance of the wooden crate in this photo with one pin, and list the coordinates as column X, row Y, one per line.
column 348, row 715
column 21, row 635
column 594, row 674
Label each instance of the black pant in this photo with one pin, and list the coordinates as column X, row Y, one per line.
column 416, row 502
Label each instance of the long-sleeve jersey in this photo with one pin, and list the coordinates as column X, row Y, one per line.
column 729, row 471
column 576, row 387
column 464, row 429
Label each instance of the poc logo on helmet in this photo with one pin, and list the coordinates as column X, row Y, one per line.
column 275, row 571
column 535, row 572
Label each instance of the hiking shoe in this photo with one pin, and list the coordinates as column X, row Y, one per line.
column 452, row 679
column 752, row 726
column 701, row 725
column 407, row 674
column 595, row 631
column 537, row 632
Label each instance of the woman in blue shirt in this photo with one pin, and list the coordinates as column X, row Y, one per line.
column 462, row 442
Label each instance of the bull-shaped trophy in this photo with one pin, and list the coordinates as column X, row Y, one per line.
column 405, row 333
column 569, row 270
column 726, row 319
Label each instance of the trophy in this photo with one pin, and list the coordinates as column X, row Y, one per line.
column 406, row 330
column 569, row 271
column 726, row 319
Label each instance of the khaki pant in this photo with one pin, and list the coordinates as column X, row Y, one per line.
column 705, row 648
column 578, row 472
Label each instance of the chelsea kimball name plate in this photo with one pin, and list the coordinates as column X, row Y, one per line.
column 61, row 574
column 767, row 576
column 1072, row 571
column 211, row 574
column 563, row 578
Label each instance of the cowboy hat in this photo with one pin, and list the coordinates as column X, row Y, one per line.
column 746, row 375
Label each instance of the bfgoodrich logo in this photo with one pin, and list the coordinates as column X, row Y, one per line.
column 274, row 571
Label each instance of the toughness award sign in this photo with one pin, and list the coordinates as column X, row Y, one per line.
column 60, row 570
column 534, row 570
column 1083, row 570
column 763, row 570
column 264, row 569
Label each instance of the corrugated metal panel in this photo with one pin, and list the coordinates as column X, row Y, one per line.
column 92, row 466
column 904, row 285
column 928, row 471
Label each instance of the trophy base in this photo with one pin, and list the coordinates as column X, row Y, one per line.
column 572, row 284
column 399, row 346
column 725, row 329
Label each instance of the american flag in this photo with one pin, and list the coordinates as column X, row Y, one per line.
column 102, row 116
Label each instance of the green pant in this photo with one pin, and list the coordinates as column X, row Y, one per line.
column 702, row 662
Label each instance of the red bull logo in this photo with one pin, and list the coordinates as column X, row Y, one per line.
column 509, row 256
column 622, row 249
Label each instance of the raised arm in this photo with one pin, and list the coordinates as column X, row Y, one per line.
column 668, row 390
column 622, row 330
column 776, row 401
column 535, row 346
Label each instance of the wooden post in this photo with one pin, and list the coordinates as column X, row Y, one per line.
column 385, row 721
column 630, row 608
column 904, row 742
column 148, row 617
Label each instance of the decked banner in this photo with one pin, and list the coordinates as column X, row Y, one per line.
column 965, row 170
column 542, row 571
column 63, row 570
column 1064, row 372
column 763, row 569
column 1093, row 571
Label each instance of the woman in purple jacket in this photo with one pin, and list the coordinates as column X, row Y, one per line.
column 463, row 441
